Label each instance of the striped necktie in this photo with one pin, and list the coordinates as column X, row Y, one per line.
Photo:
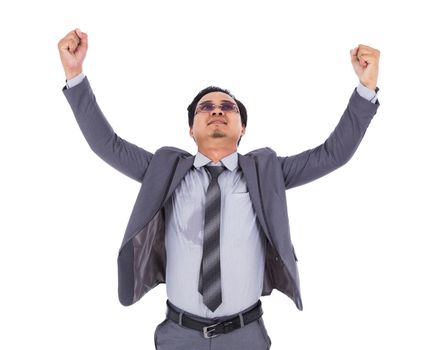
column 210, row 271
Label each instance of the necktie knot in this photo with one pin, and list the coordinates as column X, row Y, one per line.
column 214, row 171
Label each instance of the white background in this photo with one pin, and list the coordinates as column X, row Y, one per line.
column 367, row 235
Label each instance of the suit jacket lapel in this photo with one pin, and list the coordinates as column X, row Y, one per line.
column 183, row 166
column 247, row 165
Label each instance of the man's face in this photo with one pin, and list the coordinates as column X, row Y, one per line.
column 217, row 124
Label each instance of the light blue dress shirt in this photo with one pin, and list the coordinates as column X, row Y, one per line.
column 242, row 245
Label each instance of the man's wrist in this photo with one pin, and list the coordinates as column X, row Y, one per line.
column 75, row 80
column 371, row 86
column 72, row 74
column 367, row 93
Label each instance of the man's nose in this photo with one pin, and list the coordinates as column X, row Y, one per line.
column 217, row 111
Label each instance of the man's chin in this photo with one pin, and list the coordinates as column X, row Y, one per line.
column 218, row 134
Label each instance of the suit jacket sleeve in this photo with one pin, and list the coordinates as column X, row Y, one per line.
column 337, row 149
column 122, row 155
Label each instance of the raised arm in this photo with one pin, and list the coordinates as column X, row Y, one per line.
column 340, row 146
column 124, row 156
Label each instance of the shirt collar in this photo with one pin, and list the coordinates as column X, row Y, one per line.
column 230, row 161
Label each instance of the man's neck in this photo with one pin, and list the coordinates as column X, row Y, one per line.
column 215, row 154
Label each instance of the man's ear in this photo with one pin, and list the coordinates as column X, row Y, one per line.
column 191, row 132
column 243, row 130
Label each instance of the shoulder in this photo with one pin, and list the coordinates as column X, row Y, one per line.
column 168, row 156
column 263, row 158
column 165, row 159
column 169, row 151
column 261, row 153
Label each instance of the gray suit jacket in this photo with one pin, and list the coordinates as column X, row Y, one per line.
column 142, row 256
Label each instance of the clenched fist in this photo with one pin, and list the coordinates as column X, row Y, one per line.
column 365, row 61
column 72, row 49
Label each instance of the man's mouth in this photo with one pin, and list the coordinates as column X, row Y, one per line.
column 217, row 121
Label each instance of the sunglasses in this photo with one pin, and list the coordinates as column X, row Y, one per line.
column 226, row 106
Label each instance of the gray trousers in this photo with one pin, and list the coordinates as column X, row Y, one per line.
column 171, row 336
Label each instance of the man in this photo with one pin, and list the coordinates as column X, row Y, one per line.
column 218, row 218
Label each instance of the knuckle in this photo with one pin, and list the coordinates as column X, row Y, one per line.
column 62, row 43
column 73, row 36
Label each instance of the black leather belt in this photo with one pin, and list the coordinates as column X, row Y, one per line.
column 211, row 330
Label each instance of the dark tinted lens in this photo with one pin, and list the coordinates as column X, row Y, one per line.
column 228, row 106
column 206, row 107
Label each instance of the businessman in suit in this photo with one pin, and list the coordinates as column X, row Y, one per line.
column 218, row 218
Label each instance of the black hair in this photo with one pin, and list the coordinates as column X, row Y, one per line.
column 191, row 108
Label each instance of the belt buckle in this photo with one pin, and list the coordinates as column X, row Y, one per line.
column 208, row 331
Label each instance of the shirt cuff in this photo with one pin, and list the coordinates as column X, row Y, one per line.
column 75, row 80
column 367, row 93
